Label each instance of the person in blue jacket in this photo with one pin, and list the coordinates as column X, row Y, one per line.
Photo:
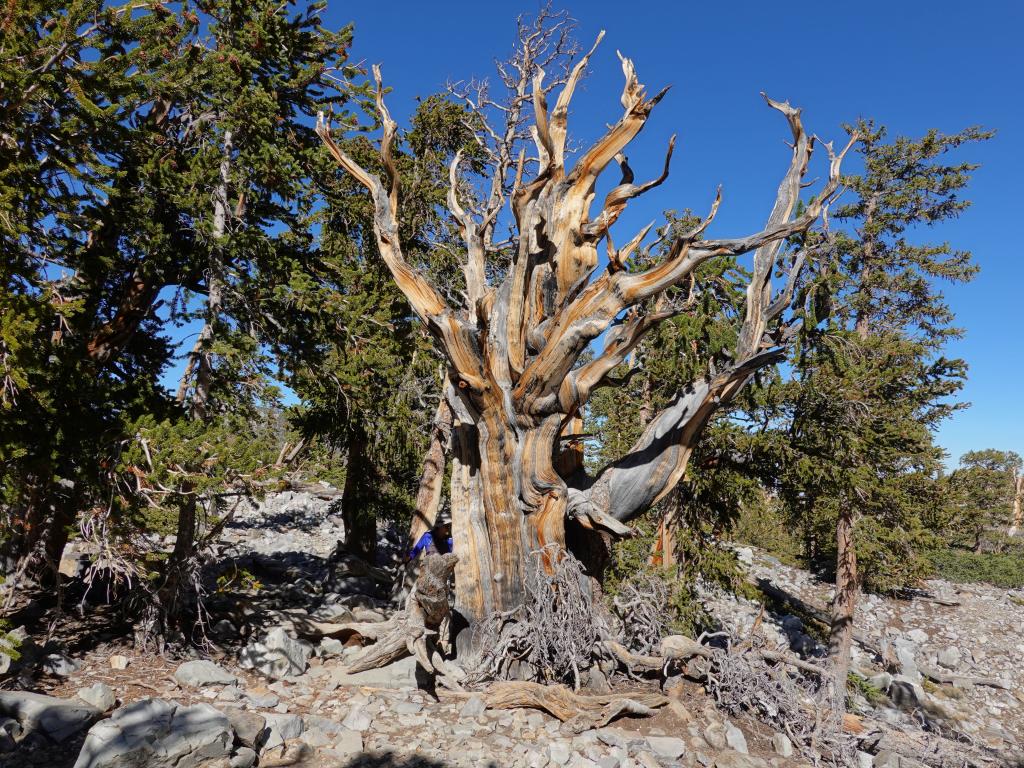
column 437, row 541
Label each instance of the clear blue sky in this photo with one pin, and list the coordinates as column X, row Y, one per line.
column 909, row 65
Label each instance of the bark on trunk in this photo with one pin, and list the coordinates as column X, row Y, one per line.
column 844, row 603
column 357, row 499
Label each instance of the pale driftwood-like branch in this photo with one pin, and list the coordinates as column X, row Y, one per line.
column 579, row 712
column 454, row 336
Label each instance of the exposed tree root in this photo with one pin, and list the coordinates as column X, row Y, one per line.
column 579, row 712
column 409, row 632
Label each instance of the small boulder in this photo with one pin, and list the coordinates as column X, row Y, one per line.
column 782, row 745
column 59, row 665
column 279, row 655
column 474, row 707
column 347, row 743
column 949, row 657
column 200, row 673
column 158, row 734
column 99, row 695
column 244, row 757
column 918, row 636
column 397, row 675
column 117, row 661
column 55, row 717
column 735, row 739
column 250, row 727
column 559, row 752
column 331, row 646
column 667, row 746
column 281, row 728
column 358, row 719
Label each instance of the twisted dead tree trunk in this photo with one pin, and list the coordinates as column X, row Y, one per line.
column 513, row 349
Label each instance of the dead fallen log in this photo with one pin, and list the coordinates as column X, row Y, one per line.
column 950, row 679
column 578, row 711
column 821, row 615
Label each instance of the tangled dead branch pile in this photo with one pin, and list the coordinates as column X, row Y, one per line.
column 552, row 636
column 640, row 610
column 743, row 679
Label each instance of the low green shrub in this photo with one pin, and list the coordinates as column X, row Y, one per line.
column 1004, row 569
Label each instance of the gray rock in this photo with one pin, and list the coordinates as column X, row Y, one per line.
column 279, row 655
column 59, row 665
column 559, row 752
column 667, row 746
column 714, row 735
column 536, row 758
column 474, row 707
column 315, row 737
column 55, row 717
column 158, row 734
column 348, row 742
column 919, row 636
column 907, row 663
column 782, row 745
column 231, row 693
column 358, row 719
column 399, row 675
column 199, row 673
column 262, row 700
column 407, row 707
column 250, row 728
column 99, row 695
column 598, row 681
column 886, row 759
column 285, row 726
column 331, row 646
column 735, row 739
column 949, row 657
column 244, row 757
column 745, row 555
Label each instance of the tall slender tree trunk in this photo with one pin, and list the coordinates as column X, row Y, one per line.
column 357, row 498
column 844, row 604
column 200, row 360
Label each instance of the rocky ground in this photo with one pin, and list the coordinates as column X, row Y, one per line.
column 951, row 656
column 270, row 690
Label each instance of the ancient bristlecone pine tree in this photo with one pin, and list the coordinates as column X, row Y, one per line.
column 515, row 386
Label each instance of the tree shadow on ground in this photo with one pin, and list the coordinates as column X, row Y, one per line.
column 391, row 760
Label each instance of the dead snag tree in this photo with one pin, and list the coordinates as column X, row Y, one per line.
column 513, row 349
